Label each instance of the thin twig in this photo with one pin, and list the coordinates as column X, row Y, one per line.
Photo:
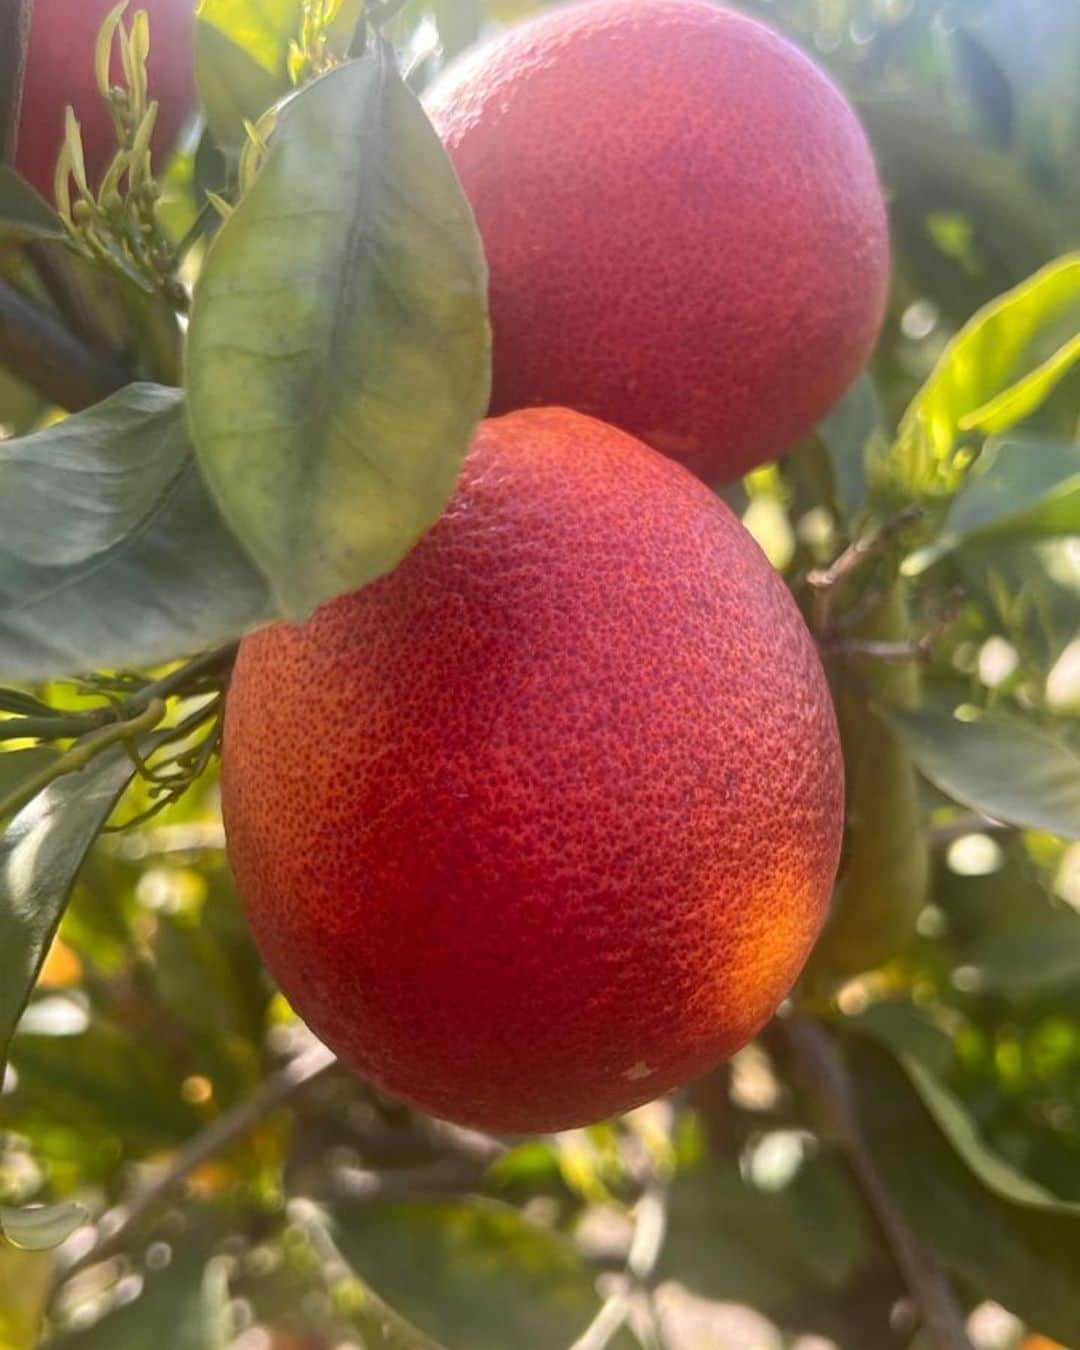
column 823, row 581
column 42, row 351
column 79, row 756
column 825, row 1074
column 921, row 649
column 273, row 1094
column 191, row 678
column 15, row 18
column 650, row 1229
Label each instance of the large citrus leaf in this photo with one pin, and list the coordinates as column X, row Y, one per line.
column 338, row 354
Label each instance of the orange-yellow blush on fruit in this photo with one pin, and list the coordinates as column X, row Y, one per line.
column 682, row 219
column 545, row 822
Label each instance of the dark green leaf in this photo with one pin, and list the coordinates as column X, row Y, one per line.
column 1004, row 1235
column 490, row 1278
column 41, row 852
column 16, row 766
column 184, row 1307
column 999, row 764
column 1021, row 488
column 338, row 353
column 111, row 550
column 23, row 213
column 41, row 1227
column 1029, row 960
column 850, row 430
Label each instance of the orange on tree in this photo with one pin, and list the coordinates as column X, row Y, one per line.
column 683, row 222
column 544, row 822
column 60, row 73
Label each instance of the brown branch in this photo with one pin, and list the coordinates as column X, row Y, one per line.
column 823, row 581
column 824, row 1073
column 274, row 1093
column 14, row 40
column 37, row 347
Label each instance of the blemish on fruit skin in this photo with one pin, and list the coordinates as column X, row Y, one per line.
column 638, row 1071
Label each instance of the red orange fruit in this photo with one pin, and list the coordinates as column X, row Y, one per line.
column 60, row 72
column 682, row 219
column 544, row 822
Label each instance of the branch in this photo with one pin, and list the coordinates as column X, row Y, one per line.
column 274, row 1093
column 79, row 756
column 37, row 347
column 14, row 39
column 824, row 1073
column 823, row 581
column 186, row 680
column 650, row 1229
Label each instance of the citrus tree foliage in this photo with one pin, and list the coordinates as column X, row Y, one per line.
column 180, row 1164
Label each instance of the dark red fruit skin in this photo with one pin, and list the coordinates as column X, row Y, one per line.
column 683, row 222
column 60, row 72
column 545, row 822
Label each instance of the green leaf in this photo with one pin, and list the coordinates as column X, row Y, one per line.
column 184, row 1307
column 1029, row 960
column 997, row 353
column 1005, row 1236
column 17, row 766
column 997, row 763
column 338, row 356
column 41, row 1227
column 490, row 1278
column 24, row 214
column 242, row 57
column 1022, row 488
column 1018, row 402
column 111, row 551
column 850, row 432
column 41, row 852
column 233, row 87
column 261, row 29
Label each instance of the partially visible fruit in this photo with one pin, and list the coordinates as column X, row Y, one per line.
column 683, row 222
column 885, row 864
column 60, row 72
column 546, row 821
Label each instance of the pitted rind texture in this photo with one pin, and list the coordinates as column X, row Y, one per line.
column 546, row 821
column 683, row 222
column 60, row 71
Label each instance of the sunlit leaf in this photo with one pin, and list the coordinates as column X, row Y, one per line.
column 111, row 550
column 23, row 213
column 242, row 57
column 1024, row 397
column 233, row 87
column 41, row 852
column 997, row 763
column 262, row 29
column 1006, row 1236
column 1000, row 349
column 41, row 1227
column 338, row 353
column 1020, row 488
